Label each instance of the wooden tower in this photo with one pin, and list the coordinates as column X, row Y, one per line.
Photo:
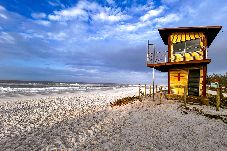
column 187, row 59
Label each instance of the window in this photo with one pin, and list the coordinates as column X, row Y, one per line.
column 188, row 46
column 192, row 45
column 179, row 47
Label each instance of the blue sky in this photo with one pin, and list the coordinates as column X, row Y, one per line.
column 97, row 41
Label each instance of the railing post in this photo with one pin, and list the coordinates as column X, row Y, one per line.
column 145, row 92
column 148, row 57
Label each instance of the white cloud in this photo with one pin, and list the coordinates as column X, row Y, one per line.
column 3, row 16
column 54, row 17
column 80, row 69
column 84, row 9
column 103, row 16
column 26, row 35
column 107, row 14
column 169, row 1
column 38, row 15
column 168, row 18
column 43, row 22
column 152, row 13
column 111, row 2
column 89, row 6
column 32, row 34
column 128, row 27
column 133, row 27
column 6, row 37
column 72, row 12
column 130, row 32
column 2, row 8
column 52, row 3
column 56, row 3
column 57, row 36
column 68, row 14
column 146, row 7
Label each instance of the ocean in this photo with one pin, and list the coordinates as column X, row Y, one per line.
column 30, row 88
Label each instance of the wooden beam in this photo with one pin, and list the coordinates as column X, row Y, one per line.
column 204, row 80
column 164, row 67
column 169, row 47
column 204, row 47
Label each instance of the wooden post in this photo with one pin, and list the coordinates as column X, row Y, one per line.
column 153, row 83
column 139, row 90
column 218, row 99
column 168, row 82
column 150, row 90
column 185, row 96
column 169, row 60
column 145, row 88
column 160, row 94
column 204, row 80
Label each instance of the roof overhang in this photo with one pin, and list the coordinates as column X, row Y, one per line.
column 210, row 32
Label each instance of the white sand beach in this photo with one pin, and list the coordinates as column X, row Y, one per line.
column 85, row 121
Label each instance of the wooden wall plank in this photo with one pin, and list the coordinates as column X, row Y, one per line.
column 183, row 37
column 179, row 37
column 196, row 35
column 187, row 36
column 174, row 38
column 192, row 35
column 177, row 87
column 201, row 34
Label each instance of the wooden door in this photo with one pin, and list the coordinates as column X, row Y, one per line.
column 193, row 82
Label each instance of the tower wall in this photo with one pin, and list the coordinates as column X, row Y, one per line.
column 178, row 79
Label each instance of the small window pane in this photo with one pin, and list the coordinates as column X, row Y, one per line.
column 178, row 47
column 192, row 45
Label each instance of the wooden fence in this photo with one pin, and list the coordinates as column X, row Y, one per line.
column 146, row 91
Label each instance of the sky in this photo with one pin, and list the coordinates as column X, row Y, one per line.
column 98, row 41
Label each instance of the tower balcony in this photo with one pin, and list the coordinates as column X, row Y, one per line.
column 161, row 62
